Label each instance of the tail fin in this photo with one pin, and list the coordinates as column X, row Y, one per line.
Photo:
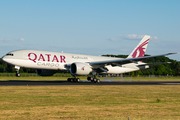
column 140, row 49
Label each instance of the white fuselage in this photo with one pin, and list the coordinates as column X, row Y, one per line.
column 36, row 59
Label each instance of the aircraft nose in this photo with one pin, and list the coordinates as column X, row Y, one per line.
column 2, row 58
column 6, row 59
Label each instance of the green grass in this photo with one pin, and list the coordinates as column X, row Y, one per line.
column 90, row 102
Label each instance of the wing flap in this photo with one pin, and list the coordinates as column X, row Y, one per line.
column 154, row 63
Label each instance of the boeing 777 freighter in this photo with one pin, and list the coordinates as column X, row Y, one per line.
column 47, row 63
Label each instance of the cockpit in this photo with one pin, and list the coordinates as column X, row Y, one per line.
column 10, row 54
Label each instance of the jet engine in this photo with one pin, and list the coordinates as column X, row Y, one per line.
column 80, row 69
column 42, row 72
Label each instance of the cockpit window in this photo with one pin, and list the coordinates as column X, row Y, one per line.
column 10, row 54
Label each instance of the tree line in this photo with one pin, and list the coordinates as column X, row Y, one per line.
column 164, row 69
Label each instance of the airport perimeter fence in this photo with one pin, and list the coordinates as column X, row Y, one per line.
column 69, row 75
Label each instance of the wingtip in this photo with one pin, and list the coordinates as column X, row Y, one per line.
column 172, row 53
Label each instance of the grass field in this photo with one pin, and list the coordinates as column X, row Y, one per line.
column 90, row 102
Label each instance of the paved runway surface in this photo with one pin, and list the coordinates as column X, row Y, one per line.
column 45, row 83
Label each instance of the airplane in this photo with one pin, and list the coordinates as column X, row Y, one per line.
column 48, row 63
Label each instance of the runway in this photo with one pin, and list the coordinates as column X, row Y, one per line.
column 60, row 83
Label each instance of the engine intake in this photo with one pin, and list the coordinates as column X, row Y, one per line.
column 80, row 69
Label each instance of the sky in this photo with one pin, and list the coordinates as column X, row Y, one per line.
column 93, row 27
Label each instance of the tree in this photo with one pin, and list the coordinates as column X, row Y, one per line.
column 2, row 68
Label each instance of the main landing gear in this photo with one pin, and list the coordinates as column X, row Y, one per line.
column 73, row 79
column 93, row 79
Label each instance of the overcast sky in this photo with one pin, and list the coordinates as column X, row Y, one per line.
column 93, row 27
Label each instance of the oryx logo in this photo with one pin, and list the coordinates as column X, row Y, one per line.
column 83, row 68
column 140, row 51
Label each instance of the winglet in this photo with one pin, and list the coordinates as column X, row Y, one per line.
column 140, row 49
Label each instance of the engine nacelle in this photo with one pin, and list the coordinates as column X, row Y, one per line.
column 42, row 72
column 80, row 69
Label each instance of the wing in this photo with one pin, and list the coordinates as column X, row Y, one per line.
column 126, row 60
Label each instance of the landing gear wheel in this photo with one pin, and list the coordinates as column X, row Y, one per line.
column 98, row 81
column 89, row 78
column 77, row 80
column 73, row 80
column 17, row 75
column 95, row 80
column 69, row 79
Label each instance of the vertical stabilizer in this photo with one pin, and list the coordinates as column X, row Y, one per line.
column 140, row 49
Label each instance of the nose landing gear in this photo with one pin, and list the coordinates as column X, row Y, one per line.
column 17, row 71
